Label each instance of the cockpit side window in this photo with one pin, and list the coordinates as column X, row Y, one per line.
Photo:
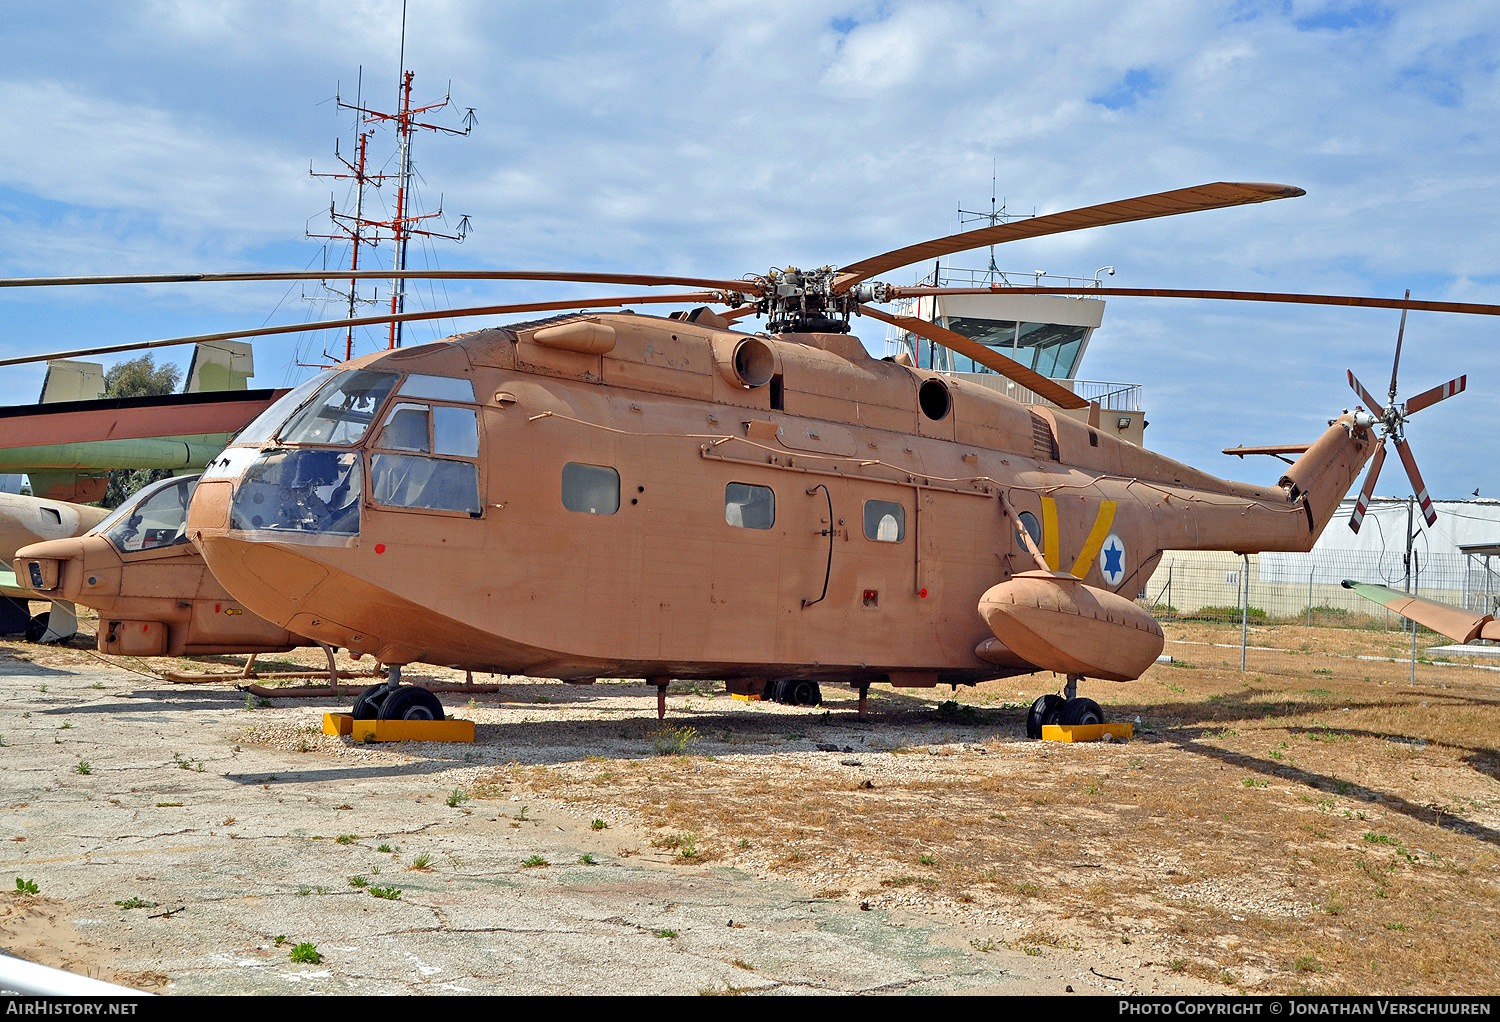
column 157, row 520
column 428, row 483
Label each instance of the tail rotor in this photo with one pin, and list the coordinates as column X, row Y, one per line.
column 1391, row 421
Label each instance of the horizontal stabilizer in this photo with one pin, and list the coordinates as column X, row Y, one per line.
column 1269, row 449
column 1458, row 624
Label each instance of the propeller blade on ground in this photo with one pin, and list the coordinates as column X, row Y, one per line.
column 1144, row 207
column 644, row 279
column 1362, row 503
column 987, row 357
column 1364, row 395
column 1418, row 305
column 1436, row 394
column 405, row 317
column 1418, row 487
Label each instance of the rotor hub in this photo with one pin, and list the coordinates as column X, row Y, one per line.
column 795, row 300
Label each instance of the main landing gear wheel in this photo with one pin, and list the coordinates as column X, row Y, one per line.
column 367, row 703
column 411, row 702
column 799, row 692
column 1043, row 711
column 1080, row 711
column 37, row 627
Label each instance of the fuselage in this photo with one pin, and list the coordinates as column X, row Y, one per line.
column 621, row 495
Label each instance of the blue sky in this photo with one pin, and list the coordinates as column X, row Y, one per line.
column 720, row 137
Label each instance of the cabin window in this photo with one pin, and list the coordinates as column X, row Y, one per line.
column 156, row 519
column 1033, row 527
column 747, row 506
column 590, row 489
column 342, row 411
column 885, row 522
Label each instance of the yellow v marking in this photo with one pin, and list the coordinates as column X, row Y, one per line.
column 1097, row 535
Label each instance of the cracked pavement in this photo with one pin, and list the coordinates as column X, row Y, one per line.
column 173, row 857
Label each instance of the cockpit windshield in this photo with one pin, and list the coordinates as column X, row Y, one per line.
column 154, row 517
column 263, row 426
column 342, row 411
column 315, row 490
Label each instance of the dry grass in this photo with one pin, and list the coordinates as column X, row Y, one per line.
column 1319, row 822
column 1316, row 823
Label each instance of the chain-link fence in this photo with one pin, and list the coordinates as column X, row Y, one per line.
column 1304, row 588
column 1260, row 603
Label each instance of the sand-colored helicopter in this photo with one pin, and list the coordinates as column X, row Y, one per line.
column 620, row 495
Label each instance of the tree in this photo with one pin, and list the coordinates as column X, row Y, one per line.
column 138, row 377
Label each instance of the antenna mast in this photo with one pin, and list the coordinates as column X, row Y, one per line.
column 361, row 230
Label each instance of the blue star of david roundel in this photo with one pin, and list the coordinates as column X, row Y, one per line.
column 1112, row 560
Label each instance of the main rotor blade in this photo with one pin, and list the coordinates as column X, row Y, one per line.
column 1417, row 486
column 1436, row 394
column 644, row 279
column 1363, row 502
column 735, row 315
column 1396, row 362
column 405, row 317
column 1467, row 308
column 1364, row 395
column 985, row 356
column 1144, row 207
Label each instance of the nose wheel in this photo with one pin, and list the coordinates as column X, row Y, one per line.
column 391, row 700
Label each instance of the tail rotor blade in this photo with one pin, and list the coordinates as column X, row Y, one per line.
column 1363, row 502
column 1436, row 394
column 1417, row 486
column 1364, row 395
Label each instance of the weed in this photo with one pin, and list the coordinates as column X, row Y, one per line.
column 953, row 710
column 421, row 860
column 385, row 848
column 134, row 902
column 83, row 767
column 587, row 859
column 359, row 882
column 672, row 740
column 1380, row 839
column 1254, row 782
column 306, row 954
column 27, row 887
column 1396, row 926
column 668, row 934
column 183, row 763
column 65, row 725
column 598, row 825
column 1177, row 964
column 740, row 963
column 522, row 814
column 1033, row 951
column 280, row 939
column 987, row 944
column 347, row 839
column 386, row 893
column 533, row 861
column 457, row 797
column 1307, row 963
column 927, row 859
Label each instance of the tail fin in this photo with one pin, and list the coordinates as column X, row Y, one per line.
column 1323, row 475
